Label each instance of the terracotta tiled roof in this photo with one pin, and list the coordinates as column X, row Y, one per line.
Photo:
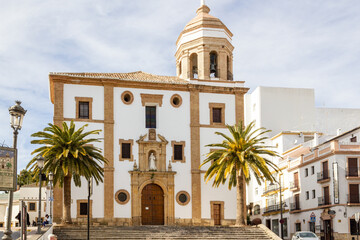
column 132, row 76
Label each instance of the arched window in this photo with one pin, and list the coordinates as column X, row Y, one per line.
column 257, row 209
column 193, row 66
column 229, row 73
column 213, row 65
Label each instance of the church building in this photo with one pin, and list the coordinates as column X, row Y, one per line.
column 155, row 129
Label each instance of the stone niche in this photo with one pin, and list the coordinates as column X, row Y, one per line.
column 163, row 176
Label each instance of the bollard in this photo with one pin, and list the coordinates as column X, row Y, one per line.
column 52, row 237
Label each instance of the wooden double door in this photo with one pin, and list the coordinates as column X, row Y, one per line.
column 152, row 205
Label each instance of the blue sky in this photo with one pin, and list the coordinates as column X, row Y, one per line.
column 297, row 43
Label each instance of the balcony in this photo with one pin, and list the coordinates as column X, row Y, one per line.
column 295, row 206
column 353, row 198
column 294, row 186
column 271, row 188
column 324, row 201
column 272, row 208
column 352, row 172
column 323, row 176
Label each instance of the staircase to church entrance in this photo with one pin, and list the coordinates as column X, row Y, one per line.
column 163, row 232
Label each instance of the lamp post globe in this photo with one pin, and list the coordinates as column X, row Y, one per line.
column 40, row 163
column 17, row 114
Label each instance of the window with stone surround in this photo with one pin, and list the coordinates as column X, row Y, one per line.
column 178, row 151
column 82, row 208
column 150, row 116
column 83, row 108
column 126, row 150
column 32, row 206
column 217, row 113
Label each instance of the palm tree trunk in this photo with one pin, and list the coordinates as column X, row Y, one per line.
column 241, row 200
column 67, row 200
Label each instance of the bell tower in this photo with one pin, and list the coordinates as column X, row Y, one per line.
column 204, row 49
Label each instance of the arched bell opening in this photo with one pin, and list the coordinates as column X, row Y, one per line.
column 214, row 71
column 194, row 66
column 228, row 68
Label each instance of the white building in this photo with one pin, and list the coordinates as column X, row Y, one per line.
column 30, row 195
column 307, row 147
column 155, row 129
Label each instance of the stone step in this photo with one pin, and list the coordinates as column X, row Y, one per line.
column 161, row 233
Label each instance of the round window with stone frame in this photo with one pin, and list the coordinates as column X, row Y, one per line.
column 127, row 97
column 122, row 196
column 182, row 198
column 176, row 100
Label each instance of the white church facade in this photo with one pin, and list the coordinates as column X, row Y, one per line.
column 155, row 129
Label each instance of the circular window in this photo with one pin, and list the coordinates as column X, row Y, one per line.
column 127, row 97
column 182, row 198
column 122, row 196
column 176, row 100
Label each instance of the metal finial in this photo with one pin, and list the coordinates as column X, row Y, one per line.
column 202, row 2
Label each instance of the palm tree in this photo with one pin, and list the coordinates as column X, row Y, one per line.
column 68, row 154
column 236, row 158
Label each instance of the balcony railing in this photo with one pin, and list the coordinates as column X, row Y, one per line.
column 324, row 200
column 352, row 172
column 295, row 206
column 294, row 185
column 324, row 175
column 270, row 188
column 272, row 208
column 352, row 198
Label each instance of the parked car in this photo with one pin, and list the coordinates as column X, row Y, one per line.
column 305, row 236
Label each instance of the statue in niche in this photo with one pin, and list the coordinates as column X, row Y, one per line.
column 152, row 165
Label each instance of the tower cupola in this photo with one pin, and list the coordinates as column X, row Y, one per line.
column 204, row 49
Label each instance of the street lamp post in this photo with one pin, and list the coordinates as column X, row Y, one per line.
column 40, row 163
column 51, row 178
column 17, row 114
column 281, row 211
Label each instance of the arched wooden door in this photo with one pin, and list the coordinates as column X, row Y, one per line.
column 152, row 205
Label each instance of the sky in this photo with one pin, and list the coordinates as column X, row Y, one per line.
column 280, row 43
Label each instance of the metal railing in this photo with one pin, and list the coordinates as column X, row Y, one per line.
column 353, row 198
column 324, row 175
column 295, row 206
column 272, row 208
column 324, row 200
column 270, row 188
column 352, row 172
column 294, row 185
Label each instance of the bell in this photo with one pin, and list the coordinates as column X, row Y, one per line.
column 195, row 70
column 212, row 68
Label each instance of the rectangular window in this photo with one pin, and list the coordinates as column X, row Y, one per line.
column 216, row 115
column 32, row 206
column 306, row 172
column 297, row 227
column 178, row 152
column 313, row 193
column 125, row 150
column 307, row 195
column 312, row 170
column 84, row 110
column 353, row 139
column 83, row 208
column 150, row 116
